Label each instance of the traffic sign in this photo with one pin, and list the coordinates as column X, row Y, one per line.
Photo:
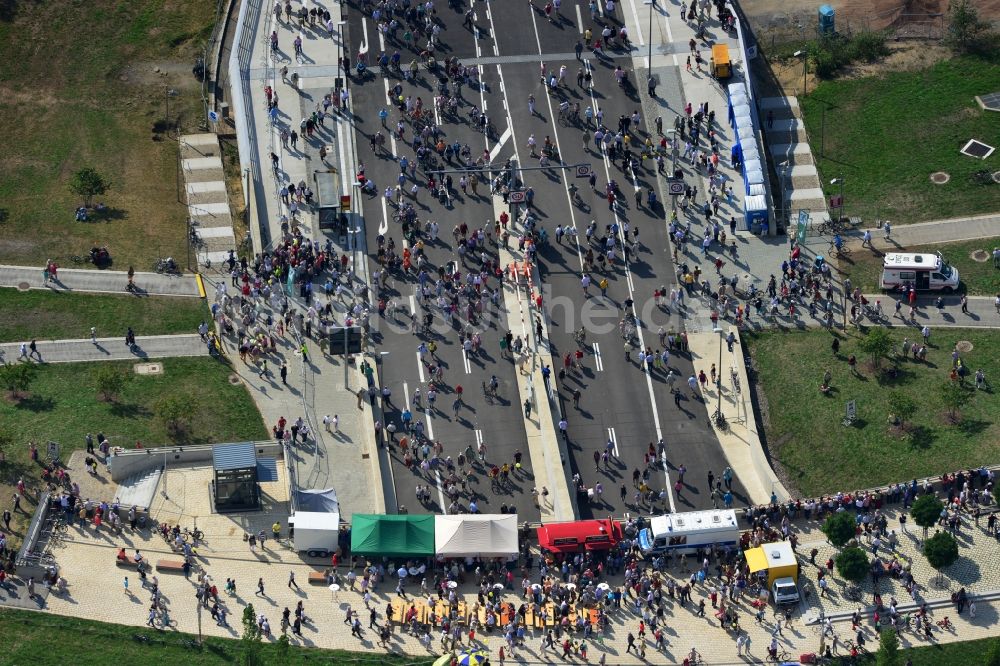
column 213, row 116
column 675, row 188
column 583, row 171
column 516, row 196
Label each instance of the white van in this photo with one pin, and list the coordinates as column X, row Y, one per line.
column 686, row 532
column 926, row 272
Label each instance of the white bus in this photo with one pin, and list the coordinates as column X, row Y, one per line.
column 686, row 532
column 925, row 272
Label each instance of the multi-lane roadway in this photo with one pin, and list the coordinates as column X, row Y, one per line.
column 619, row 403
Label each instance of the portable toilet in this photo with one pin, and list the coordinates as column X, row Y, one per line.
column 826, row 25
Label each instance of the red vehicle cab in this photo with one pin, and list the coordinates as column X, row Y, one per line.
column 579, row 536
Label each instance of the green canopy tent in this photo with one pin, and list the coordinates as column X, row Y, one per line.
column 392, row 536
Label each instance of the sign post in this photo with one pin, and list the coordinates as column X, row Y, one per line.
column 802, row 226
column 852, row 412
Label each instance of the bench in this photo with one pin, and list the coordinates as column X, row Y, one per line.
column 128, row 562
column 170, row 566
column 317, row 578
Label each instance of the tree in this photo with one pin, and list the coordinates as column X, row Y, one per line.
column 902, row 406
column 176, row 411
column 251, row 641
column 17, row 377
column 852, row 564
column 840, row 528
column 89, row 183
column 966, row 30
column 877, row 344
column 926, row 511
column 953, row 396
column 941, row 550
column 110, row 381
column 888, row 648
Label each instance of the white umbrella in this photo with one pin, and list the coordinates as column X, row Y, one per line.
column 452, row 584
column 604, row 586
column 536, row 587
column 570, row 586
column 498, row 586
column 334, row 587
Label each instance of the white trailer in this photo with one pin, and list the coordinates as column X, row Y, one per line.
column 315, row 533
column 687, row 532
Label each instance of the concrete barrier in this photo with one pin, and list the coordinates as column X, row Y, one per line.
column 136, row 461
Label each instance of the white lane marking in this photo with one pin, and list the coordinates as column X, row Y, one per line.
column 364, row 38
column 406, row 393
column 598, row 361
column 642, row 344
column 555, row 126
column 613, row 438
column 638, row 29
column 465, row 360
column 503, row 139
column 579, row 19
column 420, row 368
column 666, row 481
column 444, row 508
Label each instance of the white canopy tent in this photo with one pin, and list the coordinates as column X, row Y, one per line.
column 485, row 535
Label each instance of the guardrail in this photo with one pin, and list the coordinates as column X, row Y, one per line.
column 243, row 113
column 28, row 556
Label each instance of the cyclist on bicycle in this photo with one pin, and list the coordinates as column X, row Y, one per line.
column 838, row 242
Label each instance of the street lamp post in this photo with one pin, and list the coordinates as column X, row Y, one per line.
column 805, row 67
column 649, row 57
column 840, row 181
column 718, row 385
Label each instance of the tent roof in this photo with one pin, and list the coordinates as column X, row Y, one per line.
column 392, row 536
column 318, row 500
column 487, row 535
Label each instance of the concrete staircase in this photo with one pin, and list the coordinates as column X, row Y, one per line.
column 789, row 146
column 208, row 203
column 139, row 489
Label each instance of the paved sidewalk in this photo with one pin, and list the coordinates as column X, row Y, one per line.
column 108, row 349
column 903, row 236
column 740, row 440
column 95, row 592
column 111, row 282
column 345, row 459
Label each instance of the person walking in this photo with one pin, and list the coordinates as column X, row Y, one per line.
column 291, row 581
column 260, row 588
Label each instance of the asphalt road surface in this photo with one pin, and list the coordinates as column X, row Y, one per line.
column 619, row 403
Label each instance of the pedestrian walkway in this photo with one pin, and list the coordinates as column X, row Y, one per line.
column 108, row 282
column 345, row 455
column 739, row 437
column 106, row 349
column 903, row 236
column 96, row 592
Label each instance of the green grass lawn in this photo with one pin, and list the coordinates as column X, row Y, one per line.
column 84, row 84
column 54, row 315
column 819, row 455
column 864, row 267
column 64, row 405
column 43, row 639
column 886, row 134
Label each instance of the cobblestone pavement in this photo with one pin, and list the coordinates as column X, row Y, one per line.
column 96, row 591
